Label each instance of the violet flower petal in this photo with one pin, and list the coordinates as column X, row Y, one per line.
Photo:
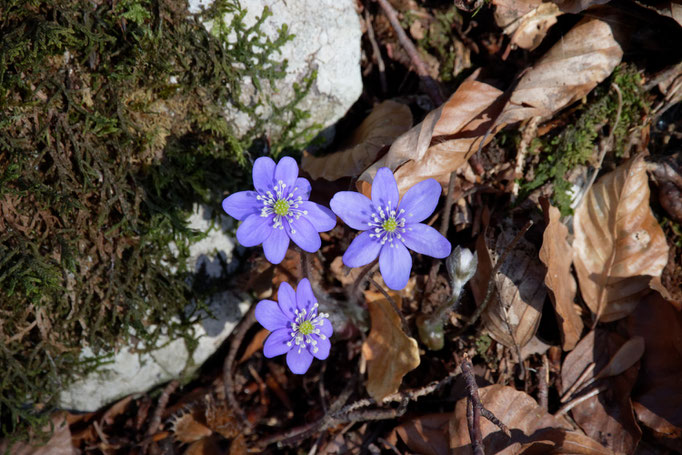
column 242, row 204
column 269, row 315
column 385, row 189
column 305, row 299
column 424, row 239
column 286, row 296
column 362, row 250
column 254, row 230
column 323, row 347
column 287, row 171
column 263, row 174
column 299, row 362
column 276, row 343
column 421, row 200
column 275, row 246
column 302, row 188
column 353, row 208
column 395, row 264
column 326, row 328
column 302, row 232
column 320, row 217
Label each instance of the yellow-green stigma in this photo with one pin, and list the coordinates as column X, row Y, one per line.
column 306, row 328
column 390, row 225
column 281, row 207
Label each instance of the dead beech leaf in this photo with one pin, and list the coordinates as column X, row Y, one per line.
column 618, row 245
column 186, row 429
column 519, row 285
column 387, row 121
column 658, row 397
column 607, row 417
column 390, row 354
column 581, row 59
column 443, row 141
column 526, row 21
column 427, row 434
column 533, row 429
column 556, row 255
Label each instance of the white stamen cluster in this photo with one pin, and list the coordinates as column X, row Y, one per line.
column 282, row 204
column 387, row 224
column 304, row 326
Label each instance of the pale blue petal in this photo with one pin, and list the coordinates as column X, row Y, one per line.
column 241, row 205
column 254, row 230
column 287, row 300
column 395, row 264
column 353, row 208
column 424, row 239
column 320, row 217
column 263, row 174
column 304, row 295
column 287, row 172
column 276, row 343
column 269, row 315
column 302, row 188
column 420, row 201
column 299, row 362
column 323, row 347
column 385, row 189
column 302, row 232
column 326, row 328
column 362, row 250
column 275, row 246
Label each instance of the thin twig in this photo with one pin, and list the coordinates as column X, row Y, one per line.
column 529, row 133
column 543, row 380
column 377, row 52
column 228, row 366
column 406, row 326
column 430, row 86
column 491, row 280
column 517, row 348
column 161, row 406
column 360, row 281
column 475, row 399
column 444, row 225
column 589, row 369
column 571, row 404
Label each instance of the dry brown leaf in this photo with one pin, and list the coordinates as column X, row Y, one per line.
column 607, row 417
column 658, row 398
column 390, row 354
column 519, row 284
column 556, row 255
column 526, row 21
column 618, row 245
column 576, row 6
column 59, row 444
column 382, row 126
column 533, row 429
column 669, row 8
column 186, row 429
column 444, row 141
column 581, row 59
column 427, row 434
column 206, row 446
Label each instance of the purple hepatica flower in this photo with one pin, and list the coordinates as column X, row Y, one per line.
column 297, row 328
column 278, row 210
column 391, row 227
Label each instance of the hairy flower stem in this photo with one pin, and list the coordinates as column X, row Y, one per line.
column 431, row 326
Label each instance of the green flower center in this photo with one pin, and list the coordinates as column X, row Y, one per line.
column 306, row 328
column 390, row 225
column 281, row 207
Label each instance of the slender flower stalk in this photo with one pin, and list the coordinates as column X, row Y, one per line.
column 298, row 330
column 391, row 226
column 279, row 210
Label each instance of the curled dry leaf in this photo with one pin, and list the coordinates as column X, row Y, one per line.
column 618, row 244
column 658, row 397
column 444, row 141
column 526, row 21
column 581, row 59
column 607, row 417
column 427, row 434
column 390, row 354
column 533, row 429
column 387, row 121
column 519, row 284
column 556, row 255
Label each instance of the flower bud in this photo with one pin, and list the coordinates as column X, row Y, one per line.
column 461, row 265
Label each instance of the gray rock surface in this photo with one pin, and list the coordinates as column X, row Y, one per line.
column 327, row 39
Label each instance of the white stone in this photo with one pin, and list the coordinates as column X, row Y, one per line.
column 216, row 248
column 130, row 372
column 327, row 39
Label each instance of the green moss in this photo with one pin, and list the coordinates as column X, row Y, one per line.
column 576, row 144
column 111, row 127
